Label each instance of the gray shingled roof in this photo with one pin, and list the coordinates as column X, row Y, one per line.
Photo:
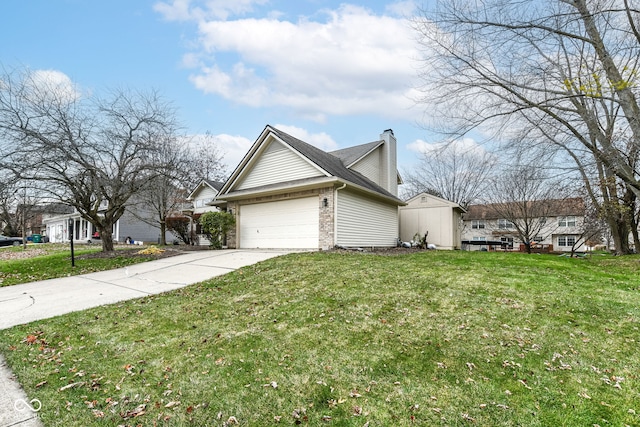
column 331, row 163
column 215, row 184
column 351, row 154
column 551, row 208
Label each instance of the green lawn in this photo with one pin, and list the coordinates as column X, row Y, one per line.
column 352, row 339
column 48, row 261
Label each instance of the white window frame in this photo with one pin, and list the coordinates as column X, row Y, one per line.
column 477, row 224
column 567, row 221
column 505, row 224
column 566, row 241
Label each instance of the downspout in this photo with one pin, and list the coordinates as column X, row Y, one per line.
column 335, row 214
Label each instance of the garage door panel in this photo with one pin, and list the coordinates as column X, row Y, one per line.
column 282, row 224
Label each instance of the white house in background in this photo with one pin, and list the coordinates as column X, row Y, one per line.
column 57, row 229
column 441, row 218
column 200, row 199
column 563, row 226
column 286, row 193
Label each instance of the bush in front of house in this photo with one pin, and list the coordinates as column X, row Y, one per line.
column 216, row 225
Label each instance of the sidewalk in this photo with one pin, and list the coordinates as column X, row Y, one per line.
column 40, row 300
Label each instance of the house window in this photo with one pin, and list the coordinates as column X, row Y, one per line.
column 538, row 239
column 504, row 224
column 477, row 224
column 423, row 199
column 567, row 221
column 200, row 203
column 567, row 241
column 507, row 241
column 481, row 239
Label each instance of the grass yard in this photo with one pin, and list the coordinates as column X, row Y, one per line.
column 352, row 339
column 48, row 261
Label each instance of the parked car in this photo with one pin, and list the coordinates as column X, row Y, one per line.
column 10, row 241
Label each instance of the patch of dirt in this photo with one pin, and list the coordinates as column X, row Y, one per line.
column 382, row 251
column 7, row 254
column 164, row 252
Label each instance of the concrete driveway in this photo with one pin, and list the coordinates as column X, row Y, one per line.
column 40, row 300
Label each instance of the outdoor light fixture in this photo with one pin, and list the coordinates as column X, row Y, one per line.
column 325, row 202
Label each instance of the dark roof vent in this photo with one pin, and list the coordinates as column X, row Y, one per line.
column 388, row 130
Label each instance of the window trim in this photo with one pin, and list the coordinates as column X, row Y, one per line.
column 567, row 221
column 478, row 224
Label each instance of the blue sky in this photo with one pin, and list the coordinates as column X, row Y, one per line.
column 332, row 73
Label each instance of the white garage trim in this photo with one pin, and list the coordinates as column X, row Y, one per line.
column 290, row 224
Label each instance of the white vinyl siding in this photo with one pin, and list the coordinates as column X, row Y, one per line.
column 370, row 166
column 291, row 224
column 277, row 164
column 204, row 196
column 365, row 222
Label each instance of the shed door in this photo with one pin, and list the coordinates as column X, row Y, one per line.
column 291, row 224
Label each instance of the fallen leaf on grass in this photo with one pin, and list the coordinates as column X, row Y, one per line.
column 524, row 384
column 584, row 395
column 138, row 411
column 172, row 404
column 467, row 417
column 72, row 385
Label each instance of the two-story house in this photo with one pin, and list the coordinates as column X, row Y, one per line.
column 560, row 228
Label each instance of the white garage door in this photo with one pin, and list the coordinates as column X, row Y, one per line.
column 284, row 224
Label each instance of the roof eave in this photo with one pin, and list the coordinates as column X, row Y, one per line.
column 315, row 183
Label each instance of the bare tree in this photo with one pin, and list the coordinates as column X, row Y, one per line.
column 94, row 154
column 455, row 171
column 591, row 229
column 563, row 72
column 205, row 160
column 188, row 161
column 9, row 188
column 524, row 198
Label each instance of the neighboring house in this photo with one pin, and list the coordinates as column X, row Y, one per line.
column 286, row 193
column 57, row 228
column 561, row 228
column 204, row 193
column 441, row 218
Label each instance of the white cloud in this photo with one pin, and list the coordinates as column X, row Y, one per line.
column 320, row 140
column 188, row 10
column 350, row 62
column 233, row 147
column 53, row 85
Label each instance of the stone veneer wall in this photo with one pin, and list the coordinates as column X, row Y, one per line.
column 327, row 220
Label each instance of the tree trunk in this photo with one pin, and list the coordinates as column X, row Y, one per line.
column 620, row 233
column 163, row 232
column 106, row 236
